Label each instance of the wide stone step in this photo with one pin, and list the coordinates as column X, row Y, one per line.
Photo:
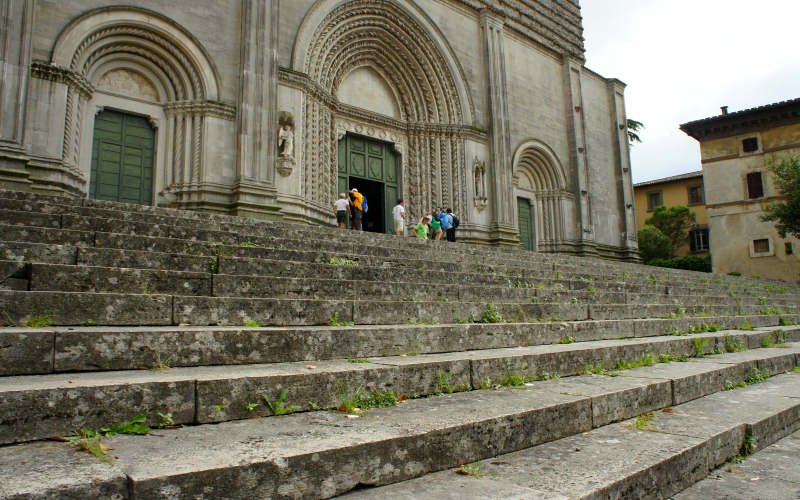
column 322, row 454
column 669, row 452
column 81, row 278
column 192, row 252
column 55, row 204
column 53, row 350
column 67, row 254
column 35, row 407
column 81, row 308
column 771, row 472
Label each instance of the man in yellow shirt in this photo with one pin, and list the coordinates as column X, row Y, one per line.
column 355, row 200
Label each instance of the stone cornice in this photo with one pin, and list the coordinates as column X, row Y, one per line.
column 53, row 73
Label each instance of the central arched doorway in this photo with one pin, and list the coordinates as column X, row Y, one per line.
column 372, row 167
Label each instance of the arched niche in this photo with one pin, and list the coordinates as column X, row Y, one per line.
column 137, row 61
column 539, row 177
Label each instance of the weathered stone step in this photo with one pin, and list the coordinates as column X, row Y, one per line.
column 322, row 454
column 671, row 452
column 39, row 406
column 52, row 350
column 79, row 308
column 50, row 204
column 81, row 278
column 772, row 472
column 192, row 253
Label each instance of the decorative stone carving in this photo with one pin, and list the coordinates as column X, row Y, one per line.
column 128, row 83
column 479, row 183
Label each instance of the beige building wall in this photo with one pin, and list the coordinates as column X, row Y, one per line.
column 673, row 193
column 734, row 148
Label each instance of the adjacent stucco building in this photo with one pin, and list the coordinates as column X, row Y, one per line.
column 685, row 190
column 269, row 108
column 735, row 149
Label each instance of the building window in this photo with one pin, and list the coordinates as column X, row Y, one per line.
column 750, row 145
column 696, row 196
column 755, row 185
column 788, row 248
column 761, row 248
column 698, row 240
column 654, row 199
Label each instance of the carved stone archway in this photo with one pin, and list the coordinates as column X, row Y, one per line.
column 395, row 41
column 539, row 177
column 177, row 88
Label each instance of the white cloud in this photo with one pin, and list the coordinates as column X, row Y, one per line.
column 683, row 59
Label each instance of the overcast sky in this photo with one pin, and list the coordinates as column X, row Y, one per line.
column 683, row 59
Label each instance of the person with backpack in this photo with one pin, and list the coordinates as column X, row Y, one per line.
column 454, row 223
column 356, row 200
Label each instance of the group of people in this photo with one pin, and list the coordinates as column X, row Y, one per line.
column 350, row 204
column 432, row 225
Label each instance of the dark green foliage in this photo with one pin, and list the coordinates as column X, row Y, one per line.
column 675, row 222
column 653, row 244
column 786, row 214
column 690, row 262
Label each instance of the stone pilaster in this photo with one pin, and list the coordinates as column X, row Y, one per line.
column 577, row 142
column 258, row 118
column 616, row 90
column 500, row 182
column 16, row 20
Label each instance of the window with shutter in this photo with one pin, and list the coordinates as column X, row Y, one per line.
column 755, row 186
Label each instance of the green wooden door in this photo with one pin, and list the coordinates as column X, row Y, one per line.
column 122, row 158
column 526, row 235
column 372, row 161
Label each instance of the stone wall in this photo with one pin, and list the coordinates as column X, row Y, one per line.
column 484, row 101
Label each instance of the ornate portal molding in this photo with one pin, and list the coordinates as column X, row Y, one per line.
column 57, row 74
column 206, row 108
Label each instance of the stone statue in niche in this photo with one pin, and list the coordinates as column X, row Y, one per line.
column 479, row 180
column 285, row 160
column 286, row 135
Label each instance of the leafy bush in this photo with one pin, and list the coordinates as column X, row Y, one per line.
column 690, row 262
column 653, row 244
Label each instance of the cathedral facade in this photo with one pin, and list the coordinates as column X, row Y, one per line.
column 270, row 108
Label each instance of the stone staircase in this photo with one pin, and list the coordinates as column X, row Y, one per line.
column 113, row 310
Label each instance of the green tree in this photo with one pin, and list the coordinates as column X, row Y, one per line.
column 653, row 244
column 786, row 214
column 634, row 128
column 674, row 222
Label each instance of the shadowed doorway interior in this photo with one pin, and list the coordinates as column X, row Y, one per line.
column 371, row 167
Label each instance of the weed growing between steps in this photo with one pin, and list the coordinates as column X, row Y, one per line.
column 745, row 450
column 471, row 469
column 756, row 376
column 643, row 422
column 279, row 407
column 91, row 441
column 335, row 321
column 36, row 320
column 358, row 401
column 335, row 261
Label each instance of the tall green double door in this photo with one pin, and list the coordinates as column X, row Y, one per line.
column 122, row 158
column 371, row 167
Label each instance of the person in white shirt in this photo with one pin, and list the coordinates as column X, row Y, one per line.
column 399, row 216
column 341, row 208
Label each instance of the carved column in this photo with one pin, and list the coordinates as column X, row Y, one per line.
column 616, row 90
column 258, row 100
column 16, row 20
column 500, row 183
column 577, row 142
